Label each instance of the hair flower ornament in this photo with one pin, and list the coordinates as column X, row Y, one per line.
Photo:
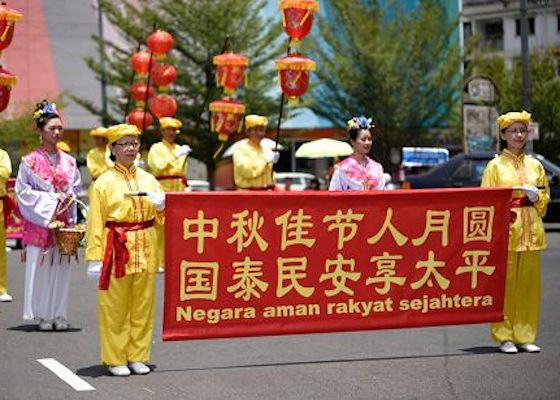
column 44, row 108
column 357, row 123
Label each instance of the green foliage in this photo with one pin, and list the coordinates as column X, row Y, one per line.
column 545, row 93
column 18, row 136
column 401, row 68
column 200, row 28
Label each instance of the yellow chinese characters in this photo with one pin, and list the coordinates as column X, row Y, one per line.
column 294, row 229
column 399, row 238
column 347, row 229
column 339, row 275
column 478, row 224
column 290, row 271
column 199, row 233
column 248, row 276
column 431, row 267
column 199, row 280
column 247, row 230
column 385, row 275
column 475, row 260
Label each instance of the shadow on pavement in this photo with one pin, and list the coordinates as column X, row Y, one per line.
column 481, row 350
column 35, row 328
column 349, row 360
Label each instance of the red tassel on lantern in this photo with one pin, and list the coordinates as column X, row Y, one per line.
column 159, row 43
column 163, row 105
column 297, row 18
column 136, row 117
column 226, row 117
column 230, row 71
column 293, row 71
column 8, row 18
column 7, row 81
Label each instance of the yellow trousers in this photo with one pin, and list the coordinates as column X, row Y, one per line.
column 3, row 266
column 522, row 299
column 126, row 317
column 160, row 229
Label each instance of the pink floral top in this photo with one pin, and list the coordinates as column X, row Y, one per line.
column 349, row 174
column 38, row 182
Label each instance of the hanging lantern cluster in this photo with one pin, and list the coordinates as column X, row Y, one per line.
column 8, row 19
column 226, row 114
column 151, row 68
column 294, row 69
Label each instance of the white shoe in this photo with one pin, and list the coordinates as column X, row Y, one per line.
column 45, row 325
column 508, row 347
column 139, row 368
column 119, row 370
column 4, row 298
column 530, row 347
column 161, row 270
column 60, row 324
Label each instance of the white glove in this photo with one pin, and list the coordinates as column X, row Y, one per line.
column 183, row 150
column 273, row 157
column 94, row 270
column 531, row 192
column 157, row 199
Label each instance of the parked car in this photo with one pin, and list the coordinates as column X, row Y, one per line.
column 300, row 180
column 465, row 170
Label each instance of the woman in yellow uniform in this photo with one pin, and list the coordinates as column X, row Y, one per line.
column 252, row 162
column 525, row 174
column 5, row 171
column 167, row 161
column 97, row 159
column 121, row 255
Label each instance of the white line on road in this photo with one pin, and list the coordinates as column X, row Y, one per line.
column 66, row 375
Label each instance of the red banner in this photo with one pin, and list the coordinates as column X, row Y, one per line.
column 272, row 263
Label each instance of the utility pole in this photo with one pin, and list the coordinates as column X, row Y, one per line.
column 104, row 117
column 525, row 65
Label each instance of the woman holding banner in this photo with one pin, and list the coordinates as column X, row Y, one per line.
column 358, row 172
column 126, row 205
column 515, row 169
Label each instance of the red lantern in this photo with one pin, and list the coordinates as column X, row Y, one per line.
column 163, row 75
column 159, row 43
column 226, row 117
column 137, row 118
column 293, row 71
column 7, row 81
column 140, row 62
column 163, row 105
column 8, row 18
column 138, row 92
column 297, row 18
column 230, row 71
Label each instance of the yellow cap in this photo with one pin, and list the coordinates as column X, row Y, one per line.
column 510, row 118
column 169, row 122
column 255, row 120
column 63, row 146
column 100, row 131
column 116, row 132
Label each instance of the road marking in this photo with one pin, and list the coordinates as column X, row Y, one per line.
column 66, row 375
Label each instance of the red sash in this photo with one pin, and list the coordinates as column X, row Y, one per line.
column 518, row 202
column 116, row 252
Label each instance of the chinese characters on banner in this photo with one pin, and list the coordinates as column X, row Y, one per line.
column 269, row 263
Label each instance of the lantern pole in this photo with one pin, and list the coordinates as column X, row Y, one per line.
column 281, row 104
column 147, row 95
column 132, row 76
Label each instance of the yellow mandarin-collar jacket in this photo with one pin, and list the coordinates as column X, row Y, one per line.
column 97, row 161
column 5, row 172
column 108, row 202
column 250, row 167
column 509, row 170
column 163, row 161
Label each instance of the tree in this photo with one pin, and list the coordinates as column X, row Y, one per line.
column 18, row 136
column 401, row 68
column 545, row 93
column 200, row 28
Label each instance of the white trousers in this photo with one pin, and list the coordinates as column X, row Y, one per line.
column 47, row 284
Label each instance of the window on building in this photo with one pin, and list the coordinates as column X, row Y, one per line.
column 531, row 21
column 494, row 35
column 558, row 22
column 467, row 30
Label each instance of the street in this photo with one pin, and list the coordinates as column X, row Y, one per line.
column 454, row 362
